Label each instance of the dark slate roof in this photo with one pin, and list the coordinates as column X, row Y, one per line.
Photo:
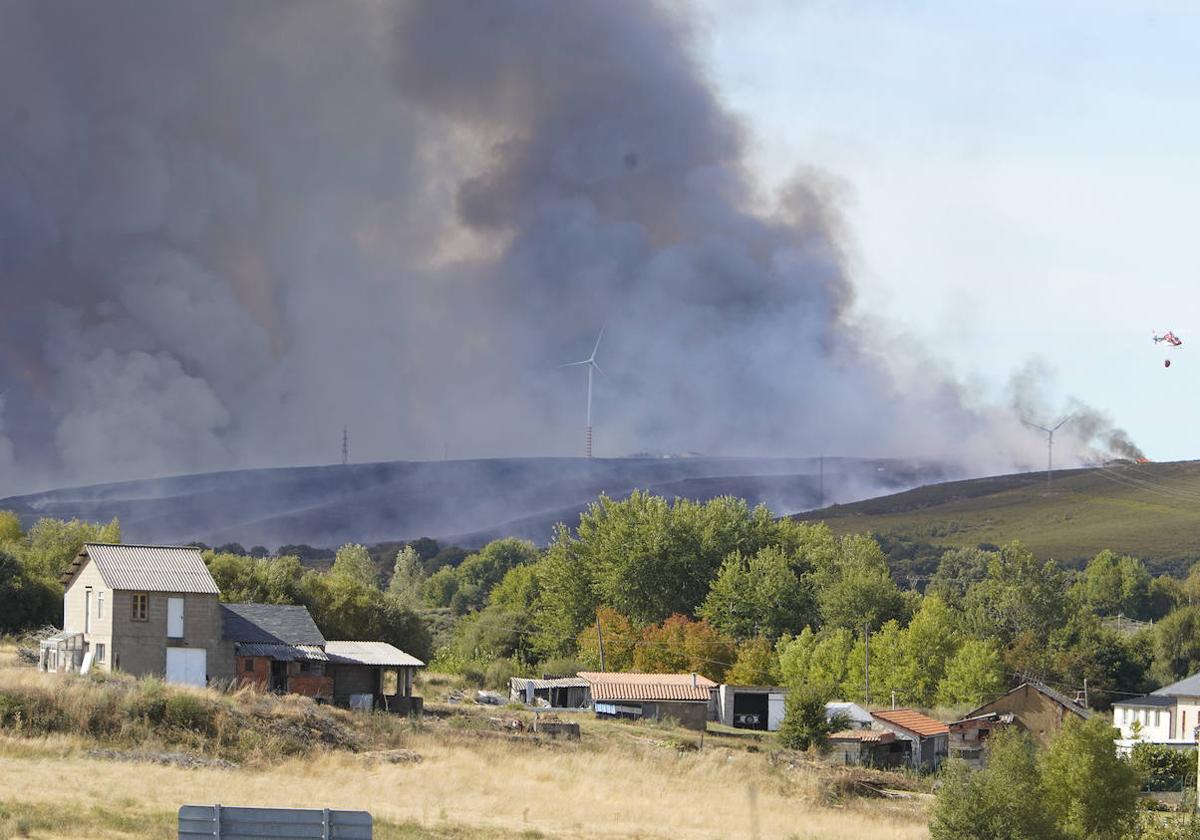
column 1150, row 700
column 1187, row 687
column 270, row 624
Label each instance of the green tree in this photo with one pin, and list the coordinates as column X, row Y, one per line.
column 346, row 607
column 52, row 544
column 828, row 665
column 479, row 572
column 930, row 641
column 354, row 562
column 756, row 664
column 1019, row 595
column 408, row 575
column 568, row 600
column 1003, row 801
column 959, row 570
column 855, row 588
column 10, row 528
column 1176, row 641
column 1112, row 663
column 888, row 666
column 795, row 656
column 270, row 580
column 29, row 601
column 1112, row 585
column 974, row 674
column 1092, row 792
column 760, row 595
column 440, row 587
column 805, row 725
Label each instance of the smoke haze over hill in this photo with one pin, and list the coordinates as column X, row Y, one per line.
column 227, row 229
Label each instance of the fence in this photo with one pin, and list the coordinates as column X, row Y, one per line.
column 218, row 821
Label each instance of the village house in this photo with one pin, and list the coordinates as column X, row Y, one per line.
column 1185, row 694
column 1036, row 709
column 685, row 698
column 146, row 610
column 155, row 611
column 1149, row 719
column 927, row 737
column 969, row 736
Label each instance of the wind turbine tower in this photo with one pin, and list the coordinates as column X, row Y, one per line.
column 590, row 363
column 1049, row 442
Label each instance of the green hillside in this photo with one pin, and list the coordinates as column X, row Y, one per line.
column 1151, row 511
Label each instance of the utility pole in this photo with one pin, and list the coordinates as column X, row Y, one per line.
column 867, row 662
column 1085, row 693
column 821, row 482
column 345, row 445
column 600, row 639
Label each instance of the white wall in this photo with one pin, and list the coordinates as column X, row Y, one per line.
column 1157, row 724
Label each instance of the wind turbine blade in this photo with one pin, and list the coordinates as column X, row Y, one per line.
column 577, row 364
column 1060, row 422
column 597, row 347
column 598, row 370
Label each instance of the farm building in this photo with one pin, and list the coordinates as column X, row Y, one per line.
column 928, row 738
column 682, row 697
column 969, row 736
column 277, row 647
column 870, row 748
column 750, row 707
column 373, row 675
column 554, row 692
column 146, row 610
column 1186, row 696
column 1036, row 709
column 856, row 716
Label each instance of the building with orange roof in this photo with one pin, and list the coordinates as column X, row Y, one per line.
column 929, row 737
column 686, row 698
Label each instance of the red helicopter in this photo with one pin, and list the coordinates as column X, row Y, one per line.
column 1173, row 342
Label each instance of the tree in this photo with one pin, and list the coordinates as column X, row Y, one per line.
column 1112, row 585
column 440, row 587
column 929, row 642
column 1176, row 642
column 1112, row 663
column 756, row 664
column 354, row 562
column 1019, row 595
column 621, row 638
column 759, row 595
column 52, row 544
column 1003, row 801
column 346, row 607
column 1092, row 793
column 680, row 645
column 959, row 570
column 888, row 666
column 795, row 656
column 805, row 724
column 266, row 581
column 479, row 572
column 974, row 674
column 855, row 588
column 408, row 575
column 819, row 659
column 10, row 527
column 29, row 601
column 567, row 601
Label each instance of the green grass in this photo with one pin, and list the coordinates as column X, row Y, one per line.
column 1151, row 511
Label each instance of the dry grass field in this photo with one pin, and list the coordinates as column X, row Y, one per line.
column 619, row 781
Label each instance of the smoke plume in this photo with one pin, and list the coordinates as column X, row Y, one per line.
column 229, row 229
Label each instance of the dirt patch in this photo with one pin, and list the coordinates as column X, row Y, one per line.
column 170, row 759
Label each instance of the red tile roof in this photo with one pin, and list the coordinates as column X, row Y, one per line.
column 608, row 686
column 866, row 736
column 913, row 721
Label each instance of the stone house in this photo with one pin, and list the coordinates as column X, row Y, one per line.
column 928, row 738
column 146, row 610
column 1035, row 708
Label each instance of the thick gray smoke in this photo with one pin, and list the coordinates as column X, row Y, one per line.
column 228, row 229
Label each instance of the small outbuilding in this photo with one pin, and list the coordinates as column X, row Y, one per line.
column 373, row 675
column 869, row 748
column 853, row 715
column 750, row 706
column 552, row 692
column 684, row 698
column 928, row 737
column 969, row 736
column 277, row 647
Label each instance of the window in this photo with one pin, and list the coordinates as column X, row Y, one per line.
column 99, row 605
column 99, row 652
column 249, row 666
column 1156, row 718
column 87, row 610
column 140, row 606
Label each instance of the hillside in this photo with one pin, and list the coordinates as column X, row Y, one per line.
column 1151, row 511
column 463, row 502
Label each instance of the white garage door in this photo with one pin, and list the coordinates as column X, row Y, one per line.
column 187, row 665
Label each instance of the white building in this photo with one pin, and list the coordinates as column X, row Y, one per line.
column 1150, row 718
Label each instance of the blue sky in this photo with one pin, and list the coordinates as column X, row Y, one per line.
column 1018, row 178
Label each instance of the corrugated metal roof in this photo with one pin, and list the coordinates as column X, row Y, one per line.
column 288, row 624
column 147, row 568
column 867, row 736
column 1187, row 687
column 1151, row 701
column 520, row 683
column 854, row 712
column 913, row 721
column 608, row 687
column 281, row 653
column 369, row 653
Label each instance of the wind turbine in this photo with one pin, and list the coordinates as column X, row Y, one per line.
column 1049, row 442
column 590, row 362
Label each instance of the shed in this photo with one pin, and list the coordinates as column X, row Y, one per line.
column 751, row 706
column 555, row 692
column 869, row 747
column 681, row 697
column 1036, row 709
column 373, row 675
column 969, row 736
column 929, row 737
column 277, row 647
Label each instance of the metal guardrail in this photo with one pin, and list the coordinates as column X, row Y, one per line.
column 230, row 823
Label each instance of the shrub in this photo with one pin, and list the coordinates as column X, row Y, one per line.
column 189, row 712
column 805, row 725
column 499, row 673
column 1162, row 768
